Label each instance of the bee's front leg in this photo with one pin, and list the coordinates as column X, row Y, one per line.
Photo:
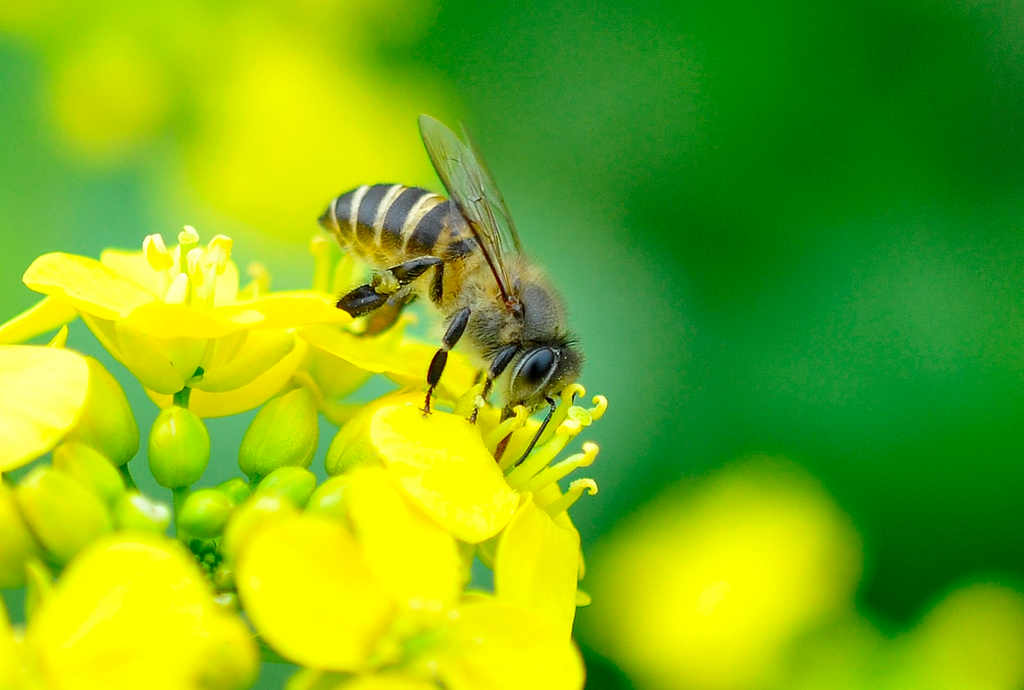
column 498, row 365
column 451, row 336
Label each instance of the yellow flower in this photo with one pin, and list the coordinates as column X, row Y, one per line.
column 707, row 589
column 175, row 319
column 130, row 613
column 384, row 602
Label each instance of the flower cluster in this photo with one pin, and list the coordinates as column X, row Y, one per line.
column 370, row 578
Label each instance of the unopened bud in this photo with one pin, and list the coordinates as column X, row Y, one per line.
column 91, row 470
column 294, row 484
column 250, row 517
column 204, row 513
column 141, row 513
column 236, row 490
column 107, row 423
column 329, row 498
column 284, row 433
column 17, row 545
column 179, row 448
column 62, row 513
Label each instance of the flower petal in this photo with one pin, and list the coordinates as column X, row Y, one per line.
column 86, row 284
column 536, row 566
column 440, row 462
column 161, row 364
column 494, row 646
column 238, row 359
column 42, row 392
column 288, row 310
column 310, row 593
column 132, row 613
column 253, row 394
column 413, row 557
column 162, row 320
column 43, row 317
column 136, row 267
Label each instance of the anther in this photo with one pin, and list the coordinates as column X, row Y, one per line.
column 156, row 252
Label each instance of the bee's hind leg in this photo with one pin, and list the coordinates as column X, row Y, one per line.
column 375, row 294
column 451, row 336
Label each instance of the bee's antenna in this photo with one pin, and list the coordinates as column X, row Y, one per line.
column 540, row 431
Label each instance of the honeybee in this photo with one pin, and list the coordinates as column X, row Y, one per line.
column 463, row 254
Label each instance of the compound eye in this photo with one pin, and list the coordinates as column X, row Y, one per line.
column 537, row 367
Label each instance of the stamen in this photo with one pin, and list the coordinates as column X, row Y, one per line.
column 576, row 490
column 177, row 293
column 188, row 239
column 568, row 397
column 320, row 247
column 509, row 426
column 259, row 283
column 469, row 401
column 218, row 251
column 600, row 407
column 562, row 469
column 156, row 252
column 194, row 263
column 541, row 456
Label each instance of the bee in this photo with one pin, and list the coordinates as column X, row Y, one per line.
column 463, row 254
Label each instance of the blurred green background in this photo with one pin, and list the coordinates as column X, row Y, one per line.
column 789, row 228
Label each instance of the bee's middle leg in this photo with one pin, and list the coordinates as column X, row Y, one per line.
column 375, row 294
column 451, row 336
column 497, row 366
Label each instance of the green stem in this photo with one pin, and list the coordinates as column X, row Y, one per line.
column 180, row 494
column 126, row 475
column 182, row 396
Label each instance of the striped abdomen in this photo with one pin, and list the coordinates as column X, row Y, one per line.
column 387, row 224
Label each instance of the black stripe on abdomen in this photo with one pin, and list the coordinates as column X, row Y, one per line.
column 396, row 216
column 424, row 236
column 367, row 214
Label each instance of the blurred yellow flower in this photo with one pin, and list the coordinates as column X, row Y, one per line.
column 706, row 589
column 133, row 612
column 258, row 109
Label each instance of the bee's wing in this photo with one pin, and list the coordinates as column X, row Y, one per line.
column 471, row 187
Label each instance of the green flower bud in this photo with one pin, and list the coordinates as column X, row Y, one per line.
column 62, row 513
column 249, row 517
column 137, row 512
column 284, row 433
column 91, row 470
column 235, row 489
column 329, row 498
column 294, row 484
column 17, row 545
column 205, row 513
column 107, row 423
column 179, row 448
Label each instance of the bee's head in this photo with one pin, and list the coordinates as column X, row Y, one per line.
column 542, row 371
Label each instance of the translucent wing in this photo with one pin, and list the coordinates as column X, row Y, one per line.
column 471, row 187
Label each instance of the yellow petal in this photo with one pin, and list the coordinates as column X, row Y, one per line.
column 42, row 317
column 238, row 359
column 310, row 593
column 136, row 267
column 134, row 613
column 162, row 320
column 86, row 284
column 440, row 462
column 413, row 360
column 494, row 646
column 160, row 364
column 42, row 392
column 536, row 566
column 253, row 394
column 413, row 557
column 376, row 353
column 289, row 310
